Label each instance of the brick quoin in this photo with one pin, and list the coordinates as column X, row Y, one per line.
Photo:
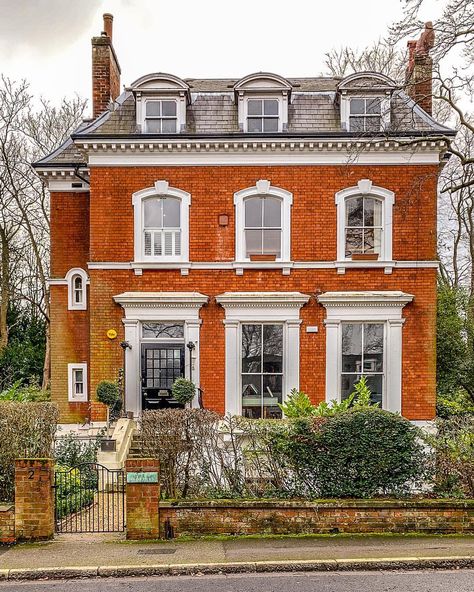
column 105, row 234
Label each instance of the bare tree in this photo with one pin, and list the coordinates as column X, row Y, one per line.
column 26, row 134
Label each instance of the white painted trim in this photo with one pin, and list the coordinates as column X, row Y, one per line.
column 158, row 306
column 263, row 188
column 260, row 307
column 365, row 188
column 377, row 306
column 69, row 279
column 72, row 398
column 160, row 189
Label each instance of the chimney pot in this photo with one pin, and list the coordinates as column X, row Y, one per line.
column 108, row 24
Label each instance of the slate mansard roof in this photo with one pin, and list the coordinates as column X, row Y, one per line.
column 313, row 110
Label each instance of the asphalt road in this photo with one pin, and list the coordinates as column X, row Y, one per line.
column 412, row 581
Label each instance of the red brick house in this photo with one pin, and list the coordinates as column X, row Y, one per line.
column 255, row 235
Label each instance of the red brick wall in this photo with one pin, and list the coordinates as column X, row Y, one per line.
column 313, row 238
column 142, row 501
column 7, row 524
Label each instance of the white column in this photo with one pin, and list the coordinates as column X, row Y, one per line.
column 292, row 355
column 192, row 330
column 132, row 367
column 332, row 359
column 394, row 365
column 232, row 396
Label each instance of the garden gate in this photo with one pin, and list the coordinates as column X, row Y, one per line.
column 89, row 498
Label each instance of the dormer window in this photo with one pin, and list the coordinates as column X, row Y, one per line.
column 263, row 115
column 161, row 117
column 365, row 114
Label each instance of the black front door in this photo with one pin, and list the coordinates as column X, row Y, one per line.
column 162, row 364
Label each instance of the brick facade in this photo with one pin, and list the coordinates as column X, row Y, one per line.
column 142, row 501
column 351, row 516
column 7, row 524
column 105, row 234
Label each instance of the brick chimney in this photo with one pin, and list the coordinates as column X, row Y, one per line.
column 419, row 74
column 105, row 69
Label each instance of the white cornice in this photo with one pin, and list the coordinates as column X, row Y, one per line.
column 368, row 298
column 262, row 299
column 161, row 299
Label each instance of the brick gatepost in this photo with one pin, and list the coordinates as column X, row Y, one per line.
column 143, row 498
column 34, row 499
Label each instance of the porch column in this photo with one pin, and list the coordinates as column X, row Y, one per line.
column 192, row 357
column 232, row 399
column 132, row 366
column 293, row 354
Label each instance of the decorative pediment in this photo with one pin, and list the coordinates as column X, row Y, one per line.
column 263, row 82
column 160, row 83
column 367, row 81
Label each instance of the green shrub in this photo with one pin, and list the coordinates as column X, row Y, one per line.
column 183, row 390
column 297, row 405
column 26, row 430
column 24, row 393
column 71, row 495
column 71, row 451
column 360, row 453
column 108, row 393
column 453, row 456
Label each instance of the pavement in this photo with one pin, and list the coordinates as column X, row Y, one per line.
column 107, row 555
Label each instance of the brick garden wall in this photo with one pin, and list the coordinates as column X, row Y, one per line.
column 352, row 516
column 7, row 524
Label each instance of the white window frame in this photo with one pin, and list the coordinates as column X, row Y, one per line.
column 160, row 189
column 243, row 308
column 161, row 117
column 366, row 307
column 263, row 188
column 365, row 188
column 346, row 98
column 71, row 369
column 70, row 277
column 264, row 98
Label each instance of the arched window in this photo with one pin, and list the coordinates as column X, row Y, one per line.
column 262, row 223
column 364, row 222
column 161, row 224
column 77, row 292
column 263, row 226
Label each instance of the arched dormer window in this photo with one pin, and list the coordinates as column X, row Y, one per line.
column 161, row 228
column 77, row 291
column 262, row 223
column 364, row 222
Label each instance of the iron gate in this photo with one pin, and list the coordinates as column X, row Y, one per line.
column 89, row 498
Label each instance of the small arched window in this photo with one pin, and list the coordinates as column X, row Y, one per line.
column 363, row 226
column 263, row 226
column 161, row 227
column 77, row 290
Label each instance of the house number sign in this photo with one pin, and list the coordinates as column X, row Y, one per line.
column 151, row 477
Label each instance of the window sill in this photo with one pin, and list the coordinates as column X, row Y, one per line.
column 240, row 266
column 387, row 266
column 139, row 266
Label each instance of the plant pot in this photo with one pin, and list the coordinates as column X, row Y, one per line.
column 365, row 257
column 262, row 257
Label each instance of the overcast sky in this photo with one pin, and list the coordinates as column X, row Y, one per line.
column 48, row 41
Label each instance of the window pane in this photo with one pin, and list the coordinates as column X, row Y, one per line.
column 171, row 212
column 373, row 124
column 168, row 108
column 159, row 330
column 254, row 124
column 153, row 126
column 251, row 389
column 271, row 212
column 251, row 348
column 375, row 384
column 270, row 125
column 347, row 384
column 373, row 347
column 270, row 107
column 78, row 375
column 153, row 108
column 272, row 348
column 356, row 124
column 272, row 395
column 357, row 106
column 372, row 240
column 254, row 107
column 354, row 211
column 373, row 106
column 369, row 205
column 253, row 242
column 78, row 282
column 353, row 241
column 168, row 126
column 272, row 242
column 78, row 296
column 153, row 212
column 253, row 212
column 352, row 347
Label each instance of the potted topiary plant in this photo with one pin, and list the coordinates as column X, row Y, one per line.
column 183, row 390
column 108, row 393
